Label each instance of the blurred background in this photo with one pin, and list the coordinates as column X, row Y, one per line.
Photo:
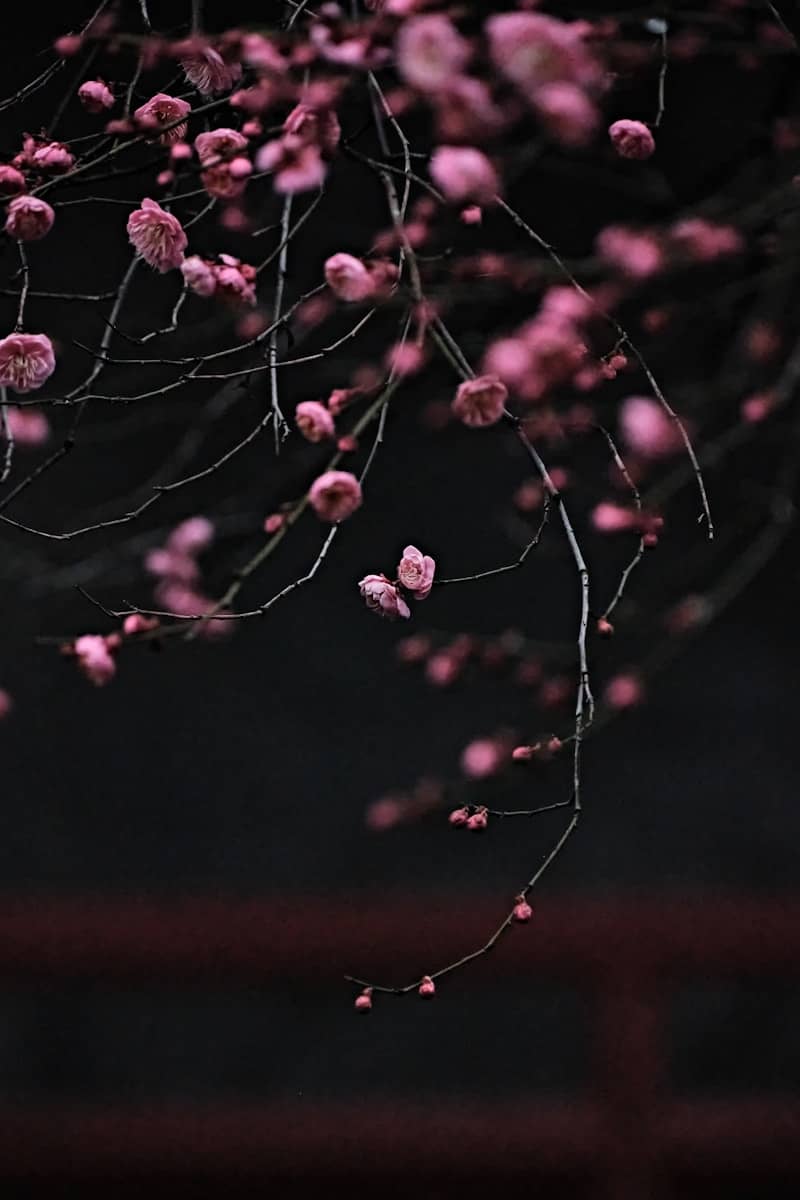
column 193, row 858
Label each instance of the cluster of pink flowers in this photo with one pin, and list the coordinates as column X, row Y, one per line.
column 157, row 236
column 176, row 567
column 547, row 351
column 298, row 158
column 229, row 278
column 95, row 658
column 49, row 158
column 415, row 573
column 352, row 279
column 27, row 361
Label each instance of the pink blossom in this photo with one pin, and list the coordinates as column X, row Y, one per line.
column 348, row 277
column 219, row 145
column 314, row 421
column 427, row 987
column 198, row 275
column 479, row 402
column 335, row 495
column 192, row 536
column 95, row 96
column 221, row 183
column 172, row 564
column 382, row 597
column 631, row 139
column 297, row 164
column 138, row 623
column 522, row 911
column 95, row 659
column 443, row 668
column 636, row 254
column 466, row 112
column 482, row 758
column 363, row 1002
column 567, row 112
column 160, row 111
column 478, row 821
column 416, row 571
column 623, row 691
column 458, row 817
column 532, row 50
column 612, row 518
column 27, row 426
column 12, row 181
column 647, row 429
column 430, row 51
column 262, row 54
column 26, row 361
column 54, row 156
column 463, row 174
column 206, row 69
column 314, row 126
column 6, row 703
column 704, row 240
column 256, row 99
column 29, row 218
column 157, row 235
column 235, row 280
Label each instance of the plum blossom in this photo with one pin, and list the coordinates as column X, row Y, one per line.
column 235, row 280
column 314, row 125
column 479, row 402
column 26, row 361
column 206, row 69
column 634, row 253
column 415, row 572
column 95, row 96
column 382, row 597
column 348, row 277
column 705, row 241
column 532, row 50
column 157, row 235
column 647, row 429
column 314, row 421
column 161, row 111
column 463, row 174
column 27, row 426
column 219, row 145
column 191, row 536
column 567, row 112
column 297, row 165
column 95, row 659
column 29, row 218
column 430, row 52
column 12, row 181
column 335, row 496
column 198, row 275
column 632, row 139
column 53, row 156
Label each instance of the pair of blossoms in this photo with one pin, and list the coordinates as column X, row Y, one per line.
column 415, row 573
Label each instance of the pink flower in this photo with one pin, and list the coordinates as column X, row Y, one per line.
column 647, row 429
column 54, row 156
column 479, row 402
column 348, row 277
column 482, row 758
column 198, row 275
column 192, row 536
column 427, row 987
column 314, row 421
column 95, row 659
column 29, row 218
column 623, row 691
column 636, row 254
column 235, row 280
column 157, row 236
column 207, row 70
column 297, row 164
column 463, row 174
column 335, row 495
column 382, row 597
column 415, row 572
column 95, row 96
column 631, row 139
column 363, row 1003
column 12, row 181
column 219, row 145
column 160, row 111
column 430, row 52
column 522, row 911
column 532, row 49
column 567, row 111
column 27, row 426
column 172, row 564
column 26, row 361
column 314, row 126
column 705, row 241
column 612, row 518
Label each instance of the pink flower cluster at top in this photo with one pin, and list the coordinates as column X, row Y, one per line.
column 229, row 278
column 415, row 573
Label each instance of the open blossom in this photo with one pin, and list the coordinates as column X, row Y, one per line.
column 206, row 69
column 95, row 659
column 53, row 156
column 416, row 571
column 532, row 50
column 335, row 495
column 160, row 111
column 26, row 361
column 12, row 181
column 381, row 596
column 29, row 218
column 312, row 125
column 430, row 51
column 235, row 280
column 314, row 421
column 633, row 252
column 27, row 426
column 631, row 139
column 348, row 277
column 296, row 164
column 95, row 96
column 480, row 401
column 157, row 236
column 647, row 429
column 567, row 112
column 463, row 174
column 198, row 275
column 219, row 145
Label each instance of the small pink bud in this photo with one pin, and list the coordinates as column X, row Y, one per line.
column 479, row 820
column 347, row 444
column 522, row 910
column 427, row 987
column 458, row 817
column 364, row 1001
column 631, row 139
column 68, row 45
column 554, row 744
column 604, row 627
column 274, row 522
column 138, row 623
column 523, row 753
